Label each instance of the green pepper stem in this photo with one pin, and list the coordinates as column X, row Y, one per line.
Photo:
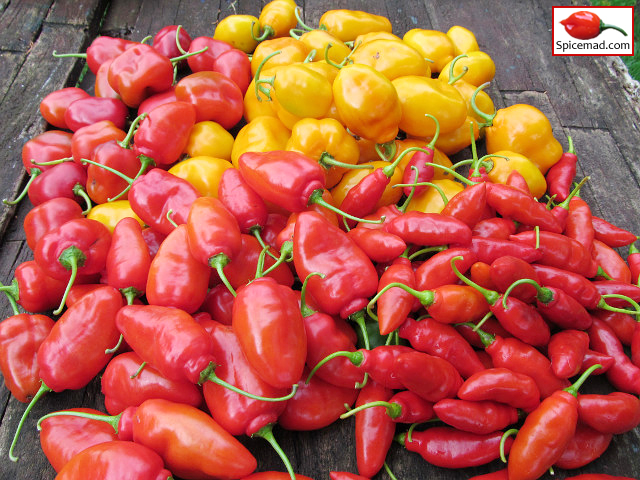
column 453, row 79
column 573, row 388
column 570, row 149
column 386, row 151
column 485, row 337
column 145, row 162
column 356, row 358
column 433, row 141
column 305, row 309
column 605, row 26
column 112, row 420
column 259, row 81
column 426, row 297
column 78, row 189
column 138, row 371
column 125, row 142
column 180, row 49
column 116, row 347
column 266, row 33
column 127, row 179
column 218, row 262
column 503, row 439
column 34, row 173
column 71, row 258
column 389, row 472
column 327, row 161
column 13, row 295
column 417, row 253
column 175, row 60
column 436, row 187
column 394, row 410
column 266, row 432
column 68, row 55
column 544, row 294
column 302, row 24
column 488, row 118
column 358, row 318
column 490, row 295
column 605, row 306
column 316, row 198
column 41, row 391
column 574, row 192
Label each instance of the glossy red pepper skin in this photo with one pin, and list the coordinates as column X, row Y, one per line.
column 284, row 178
column 574, row 284
column 560, row 176
column 316, row 405
column 435, row 338
column 214, row 96
column 585, row 446
column 350, row 278
column 479, row 417
column 156, row 192
column 54, row 105
column 164, row 41
column 361, row 199
column 219, row 303
column 115, row 460
column 436, row 271
column 124, row 384
column 156, row 100
column 63, row 437
column 456, row 304
column 468, row 205
column 45, row 147
column 105, row 48
column 138, row 72
column 566, row 350
column 500, row 384
column 429, row 229
column 242, row 201
column 238, row 414
column 235, row 64
column 89, row 110
column 522, row 320
column 489, row 250
column 164, row 133
column 345, row 476
column 374, row 430
column 56, row 182
column 36, row 291
column 545, row 434
column 585, row 25
column 496, row 227
column 562, row 309
column 86, row 139
column 85, row 330
column 103, row 185
column 379, row 363
column 394, row 305
column 611, row 234
column 176, row 278
column 426, row 172
column 592, row 358
column 448, row 447
column 205, row 60
column 431, row 377
column 615, row 287
column 268, row 322
column 579, row 222
column 380, row 246
column 497, row 475
column 611, row 262
column 20, row 338
column 597, row 476
column 168, row 339
column 507, row 269
column 560, row 251
column 128, row 260
column 273, row 475
column 512, row 203
column 614, row 413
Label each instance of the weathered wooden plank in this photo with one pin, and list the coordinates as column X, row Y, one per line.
column 10, row 63
column 20, row 24
column 85, row 13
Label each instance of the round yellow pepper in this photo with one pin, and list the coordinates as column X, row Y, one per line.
column 434, row 45
column 262, row 134
column 301, row 90
column 209, row 138
column 348, row 24
column 463, row 39
column 459, row 139
column 502, row 167
column 109, row 214
column 291, row 51
column 277, row 18
column 430, row 200
column 203, row 172
column 352, row 177
column 321, row 41
column 369, row 37
column 481, row 67
column 237, row 31
column 391, row 58
column 483, row 100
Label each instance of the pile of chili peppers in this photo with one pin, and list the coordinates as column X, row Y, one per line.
column 264, row 227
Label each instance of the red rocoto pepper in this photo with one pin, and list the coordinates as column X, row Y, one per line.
column 614, row 413
column 574, row 284
column 496, row 227
column 46, row 147
column 102, row 184
column 20, row 338
column 435, row 338
column 86, row 139
column 449, row 447
column 431, row 377
column 585, row 25
column 176, row 278
column 500, row 384
column 105, row 48
column 566, row 350
column 126, row 382
column 89, row 110
column 585, row 446
column 349, row 275
column 54, row 105
column 164, row 133
column 63, row 437
column 235, row 64
column 242, row 201
column 610, row 261
column 395, row 304
column 114, row 461
column 138, row 72
column 468, row 205
column 156, row 100
column 560, row 176
column 33, row 289
column 67, row 179
column 479, row 417
column 374, row 429
column 429, row 229
column 380, row 246
column 128, row 260
column 268, row 322
column 489, row 249
column 166, row 41
column 204, row 61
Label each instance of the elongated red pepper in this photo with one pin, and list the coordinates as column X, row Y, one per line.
column 561, row 174
column 479, row 417
column 433, row 378
column 574, row 284
column 579, row 222
column 380, row 246
column 566, row 350
column 610, row 261
column 507, row 269
column 489, row 250
column 496, row 227
column 437, row 271
column 403, row 407
column 468, row 205
column 241, row 200
column 429, row 229
column 614, row 413
column 586, row 445
column 395, row 304
column 617, row 294
column 611, row 234
column 67, row 179
column 86, row 139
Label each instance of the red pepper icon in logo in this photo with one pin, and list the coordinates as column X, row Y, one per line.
column 585, row 25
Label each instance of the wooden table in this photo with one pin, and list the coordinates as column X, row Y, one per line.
column 589, row 98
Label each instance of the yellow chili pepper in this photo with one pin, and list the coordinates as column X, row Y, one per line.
column 483, row 100
column 460, row 138
column 369, row 37
column 391, row 58
column 203, row 172
column 420, row 95
column 209, row 138
column 285, row 116
column 430, row 200
column 367, row 102
column 110, row 213
column 463, row 39
column 240, row 31
column 481, row 68
column 502, row 167
column 352, row 177
column 348, row 24
column 262, row 134
column 433, row 45
column 317, row 138
column 254, row 108
column 291, row 51
column 277, row 18
column 321, row 41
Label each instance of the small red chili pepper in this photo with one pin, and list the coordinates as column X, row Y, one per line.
column 579, row 222
column 480, row 273
column 586, row 445
column 507, row 269
column 496, row 227
column 497, row 475
column 235, row 65
column 33, row 289
column 115, row 460
column 633, row 260
column 204, row 61
column 489, row 250
column 517, row 180
column 219, row 303
column 616, row 294
column 89, row 110
column 54, row 105
column 66, row 179
column 613, row 413
column 566, row 350
column 394, row 304
column 614, row 267
column 610, row 234
column 479, row 417
column 433, row 378
column 380, row 246
column 437, row 271
column 468, row 205
column 560, row 176
column 585, row 25
column 156, row 100
column 46, row 148
column 345, row 476
column 63, row 437
column 429, row 229
column 449, row 447
column 167, row 39
column 592, row 357
column 127, row 382
column 246, row 205
column 86, row 139
column 574, row 284
column 102, row 184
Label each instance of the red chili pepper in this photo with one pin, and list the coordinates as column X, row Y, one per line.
column 45, row 148
column 507, row 269
column 615, row 293
column 566, row 350
column 156, row 100
column 63, row 437
column 89, row 110
column 574, row 284
column 349, row 276
column 435, row 338
column 448, row 447
column 128, row 382
column 219, row 303
column 497, row 475
column 115, row 460
column 33, row 289
column 514, row 204
column 67, row 180
column 433, row 378
column 592, row 357
column 613, row 413
column 579, row 222
column 496, row 227
column 20, row 338
column 597, row 476
column 246, row 205
column 214, row 96
column 177, row 278
column 429, row 229
column 395, row 304
column 585, row 446
column 479, row 417
column 560, row 176
column 500, row 384
column 380, row 246
column 480, row 273
column 103, row 185
column 610, row 234
column 468, row 205
column 272, row 475
column 585, row 25
column 86, row 139
column 167, row 39
column 436, row 270
column 489, row 250
column 345, row 476
column 54, row 105
column 374, row 429
column 633, row 260
column 610, row 261
column 516, row 180
column 153, row 239
column 204, row 61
